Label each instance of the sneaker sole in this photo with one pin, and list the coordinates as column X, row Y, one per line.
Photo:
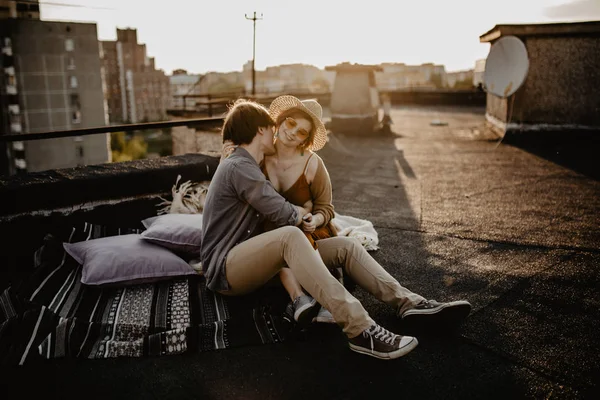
column 386, row 356
column 448, row 314
column 305, row 314
column 323, row 320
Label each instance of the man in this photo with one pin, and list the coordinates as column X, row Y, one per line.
column 238, row 258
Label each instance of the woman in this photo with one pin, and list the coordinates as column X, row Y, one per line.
column 300, row 176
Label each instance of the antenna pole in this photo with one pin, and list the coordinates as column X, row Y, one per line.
column 254, row 19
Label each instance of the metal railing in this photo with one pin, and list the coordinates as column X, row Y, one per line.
column 190, row 123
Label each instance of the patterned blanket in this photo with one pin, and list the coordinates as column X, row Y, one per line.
column 51, row 314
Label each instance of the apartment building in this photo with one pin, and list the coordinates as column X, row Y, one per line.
column 398, row 76
column 289, row 78
column 51, row 81
column 29, row 9
column 181, row 84
column 135, row 90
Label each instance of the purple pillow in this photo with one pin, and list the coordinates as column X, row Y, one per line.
column 177, row 232
column 125, row 259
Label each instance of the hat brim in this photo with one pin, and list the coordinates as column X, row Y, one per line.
column 284, row 103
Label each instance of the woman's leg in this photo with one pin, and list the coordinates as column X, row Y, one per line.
column 290, row 283
column 349, row 254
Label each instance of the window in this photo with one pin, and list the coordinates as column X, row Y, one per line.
column 69, row 45
column 76, row 117
column 73, row 82
column 75, row 109
column 7, row 49
column 71, row 64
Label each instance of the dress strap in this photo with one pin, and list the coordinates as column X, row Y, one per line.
column 307, row 161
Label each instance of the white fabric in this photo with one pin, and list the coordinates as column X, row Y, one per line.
column 360, row 229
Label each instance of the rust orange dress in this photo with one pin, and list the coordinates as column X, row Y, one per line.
column 299, row 194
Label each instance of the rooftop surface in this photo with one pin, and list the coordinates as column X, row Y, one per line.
column 459, row 215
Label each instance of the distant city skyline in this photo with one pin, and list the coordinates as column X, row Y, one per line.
column 189, row 35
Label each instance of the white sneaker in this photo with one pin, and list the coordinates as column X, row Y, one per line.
column 305, row 308
column 324, row 316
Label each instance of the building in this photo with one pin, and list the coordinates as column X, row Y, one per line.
column 399, row 76
column 460, row 79
column 10, row 9
column 51, row 81
column 289, row 78
column 221, row 83
column 135, row 90
column 181, row 84
column 478, row 73
column 561, row 88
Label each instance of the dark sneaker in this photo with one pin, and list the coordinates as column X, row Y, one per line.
column 380, row 343
column 305, row 309
column 433, row 312
column 324, row 317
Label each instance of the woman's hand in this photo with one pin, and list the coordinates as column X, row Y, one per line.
column 311, row 222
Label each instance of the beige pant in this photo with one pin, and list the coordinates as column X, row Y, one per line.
column 254, row 262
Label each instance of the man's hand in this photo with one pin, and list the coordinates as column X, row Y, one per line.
column 302, row 212
column 227, row 149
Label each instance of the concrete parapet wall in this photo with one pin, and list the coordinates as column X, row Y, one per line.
column 115, row 195
column 86, row 188
column 438, row 97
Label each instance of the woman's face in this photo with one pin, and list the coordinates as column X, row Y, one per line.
column 294, row 131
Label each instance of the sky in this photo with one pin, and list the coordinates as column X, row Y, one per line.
column 201, row 36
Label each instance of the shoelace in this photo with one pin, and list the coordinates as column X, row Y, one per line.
column 427, row 304
column 381, row 334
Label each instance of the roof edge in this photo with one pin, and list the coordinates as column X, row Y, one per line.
column 551, row 29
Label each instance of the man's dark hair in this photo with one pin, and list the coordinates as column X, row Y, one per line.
column 243, row 120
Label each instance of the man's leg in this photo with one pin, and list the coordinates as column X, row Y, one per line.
column 349, row 254
column 252, row 263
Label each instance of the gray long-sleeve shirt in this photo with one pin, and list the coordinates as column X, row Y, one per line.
column 239, row 198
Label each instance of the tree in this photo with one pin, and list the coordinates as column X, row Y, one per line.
column 464, row 84
column 124, row 149
column 437, row 81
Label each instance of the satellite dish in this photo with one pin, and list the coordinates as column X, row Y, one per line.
column 506, row 67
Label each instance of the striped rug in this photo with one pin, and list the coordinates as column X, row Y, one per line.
column 53, row 315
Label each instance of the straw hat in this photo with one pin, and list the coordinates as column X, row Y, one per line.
column 311, row 107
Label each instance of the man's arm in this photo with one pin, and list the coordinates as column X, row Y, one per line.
column 252, row 187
